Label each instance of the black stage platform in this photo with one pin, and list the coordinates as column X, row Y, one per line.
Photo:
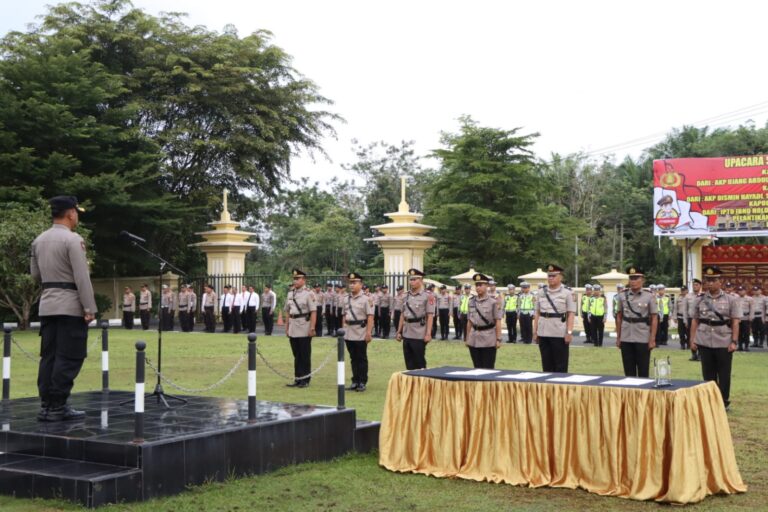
column 95, row 461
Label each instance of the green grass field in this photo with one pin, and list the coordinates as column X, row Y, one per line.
column 356, row 482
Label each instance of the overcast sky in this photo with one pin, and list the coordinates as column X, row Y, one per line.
column 586, row 75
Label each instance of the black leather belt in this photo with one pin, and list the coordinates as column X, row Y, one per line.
column 301, row 316
column 414, row 320
column 354, row 323
column 713, row 323
column 63, row 286
column 552, row 315
column 143, row 303
column 483, row 327
column 636, row 320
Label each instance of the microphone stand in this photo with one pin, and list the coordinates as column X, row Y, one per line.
column 161, row 395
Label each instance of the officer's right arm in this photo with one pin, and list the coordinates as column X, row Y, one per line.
column 81, row 274
column 33, row 268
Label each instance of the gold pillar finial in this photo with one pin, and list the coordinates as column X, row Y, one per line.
column 403, row 207
column 225, row 211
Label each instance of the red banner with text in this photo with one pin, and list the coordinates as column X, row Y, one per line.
column 726, row 196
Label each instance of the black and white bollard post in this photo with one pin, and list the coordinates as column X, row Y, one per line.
column 340, row 369
column 252, row 377
column 7, row 363
column 104, row 356
column 138, row 410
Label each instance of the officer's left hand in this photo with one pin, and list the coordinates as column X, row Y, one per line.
column 89, row 317
column 568, row 339
column 311, row 333
column 368, row 337
column 498, row 344
column 651, row 344
column 732, row 347
column 427, row 338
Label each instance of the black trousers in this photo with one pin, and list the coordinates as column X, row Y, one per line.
column 554, row 354
column 209, row 318
column 694, row 353
column 758, row 332
column 226, row 318
column 716, row 365
column 526, row 328
column 597, row 323
column 587, row 326
column 358, row 360
column 463, row 321
column 744, row 334
column 376, row 323
column 511, row 318
column 457, row 332
column 250, row 318
column 166, row 317
column 414, row 352
column 636, row 359
column 662, row 334
column 483, row 357
column 338, row 315
column 319, row 321
column 235, row 316
column 433, row 332
column 63, row 348
column 144, row 315
column 184, row 321
column 444, row 315
column 384, row 322
column 302, row 358
column 128, row 319
column 682, row 331
column 396, row 319
column 330, row 320
column 269, row 321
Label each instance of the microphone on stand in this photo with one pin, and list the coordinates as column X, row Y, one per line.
column 133, row 238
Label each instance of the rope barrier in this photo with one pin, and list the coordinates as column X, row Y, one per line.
column 215, row 385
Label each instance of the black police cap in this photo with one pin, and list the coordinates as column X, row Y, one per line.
column 61, row 204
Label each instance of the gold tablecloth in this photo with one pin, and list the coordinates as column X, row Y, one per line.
column 643, row 444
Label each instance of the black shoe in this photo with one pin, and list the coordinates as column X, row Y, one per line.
column 302, row 385
column 353, row 387
column 360, row 388
column 694, row 358
column 292, row 385
column 63, row 413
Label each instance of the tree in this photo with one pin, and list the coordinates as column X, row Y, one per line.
column 19, row 226
column 486, row 202
column 146, row 120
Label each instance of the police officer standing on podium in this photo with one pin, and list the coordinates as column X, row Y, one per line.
column 415, row 329
column 715, row 331
column 636, row 322
column 357, row 323
column 67, row 306
column 483, row 335
column 300, row 321
column 553, row 322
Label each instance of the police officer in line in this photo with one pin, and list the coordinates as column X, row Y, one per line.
column 464, row 308
column 698, row 291
column 483, row 325
column 715, row 331
column 338, row 304
column 376, row 314
column 597, row 307
column 166, row 308
column 455, row 304
column 318, row 291
column 183, row 302
column 385, row 311
column 145, row 306
column 553, row 321
column 681, row 317
column 358, row 323
column 129, row 307
column 415, row 329
column 67, row 305
column 662, row 304
column 757, row 323
column 616, row 298
column 328, row 308
column 527, row 301
column 268, row 304
column 444, row 311
column 300, row 321
column 510, row 313
column 397, row 305
column 209, row 302
column 636, row 324
column 585, row 301
column 747, row 315
column 431, row 293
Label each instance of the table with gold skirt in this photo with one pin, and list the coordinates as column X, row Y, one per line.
column 665, row 444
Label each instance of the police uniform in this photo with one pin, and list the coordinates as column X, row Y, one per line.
column 166, row 308
column 145, row 306
column 715, row 318
column 300, row 309
column 526, row 310
column 690, row 304
column 555, row 309
column 464, row 309
column 662, row 304
column 227, row 301
column 455, row 303
column 209, row 309
column 329, row 310
column 58, row 260
column 268, row 304
column 585, row 302
column 431, row 293
column 758, row 332
column 183, row 308
column 510, row 313
column 385, row 308
column 681, row 315
column 397, row 305
column 484, row 327
column 747, row 315
column 129, row 309
column 416, row 320
column 318, row 291
column 376, row 312
column 444, row 311
column 358, row 318
column 338, row 305
column 636, row 324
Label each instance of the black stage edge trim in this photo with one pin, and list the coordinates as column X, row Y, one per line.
column 444, row 373
column 95, row 462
